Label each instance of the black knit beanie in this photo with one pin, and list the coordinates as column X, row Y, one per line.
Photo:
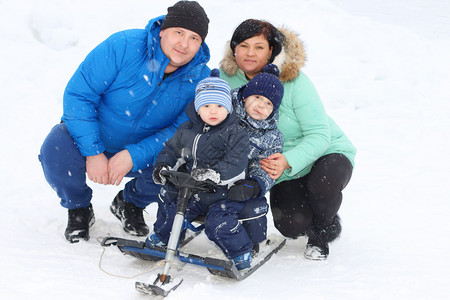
column 189, row 15
column 266, row 84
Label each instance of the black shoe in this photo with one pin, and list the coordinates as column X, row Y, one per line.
column 255, row 250
column 130, row 215
column 319, row 237
column 260, row 247
column 80, row 219
column 316, row 251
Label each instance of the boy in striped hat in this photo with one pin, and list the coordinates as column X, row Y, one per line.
column 210, row 146
column 212, row 99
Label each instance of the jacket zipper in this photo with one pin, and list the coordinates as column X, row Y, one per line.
column 195, row 145
column 194, row 150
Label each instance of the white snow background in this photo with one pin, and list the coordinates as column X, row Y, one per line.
column 382, row 69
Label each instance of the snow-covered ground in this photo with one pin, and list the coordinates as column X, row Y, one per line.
column 382, row 70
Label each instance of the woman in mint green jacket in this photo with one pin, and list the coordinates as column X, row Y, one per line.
column 317, row 158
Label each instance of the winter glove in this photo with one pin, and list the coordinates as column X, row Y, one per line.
column 157, row 177
column 244, row 189
column 205, row 174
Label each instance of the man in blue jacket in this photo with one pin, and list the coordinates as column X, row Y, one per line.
column 124, row 101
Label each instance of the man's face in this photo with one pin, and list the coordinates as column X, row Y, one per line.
column 180, row 45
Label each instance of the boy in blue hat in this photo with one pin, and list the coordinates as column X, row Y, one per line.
column 256, row 105
column 218, row 151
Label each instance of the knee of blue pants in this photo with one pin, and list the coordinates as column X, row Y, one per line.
column 222, row 227
column 141, row 190
column 254, row 220
column 220, row 216
column 65, row 168
column 254, row 208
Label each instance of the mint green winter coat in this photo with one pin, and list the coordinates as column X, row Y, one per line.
column 309, row 133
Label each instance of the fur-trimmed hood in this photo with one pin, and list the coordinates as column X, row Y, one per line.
column 291, row 59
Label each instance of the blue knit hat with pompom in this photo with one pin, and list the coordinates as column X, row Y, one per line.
column 266, row 84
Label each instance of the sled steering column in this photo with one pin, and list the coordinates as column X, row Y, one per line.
column 186, row 186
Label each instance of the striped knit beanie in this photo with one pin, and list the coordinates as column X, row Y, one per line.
column 213, row 90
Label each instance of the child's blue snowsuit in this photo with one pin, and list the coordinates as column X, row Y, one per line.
column 265, row 140
column 223, row 148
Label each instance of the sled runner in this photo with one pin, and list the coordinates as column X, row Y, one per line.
column 216, row 266
column 173, row 253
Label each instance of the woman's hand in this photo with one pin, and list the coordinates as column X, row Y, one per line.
column 274, row 165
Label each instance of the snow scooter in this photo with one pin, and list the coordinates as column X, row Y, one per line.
column 173, row 254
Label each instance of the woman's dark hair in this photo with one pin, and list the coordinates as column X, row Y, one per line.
column 252, row 27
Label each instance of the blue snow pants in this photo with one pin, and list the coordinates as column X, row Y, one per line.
column 221, row 224
column 65, row 170
column 253, row 218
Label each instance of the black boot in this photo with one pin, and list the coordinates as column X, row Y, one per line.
column 80, row 219
column 319, row 238
column 130, row 215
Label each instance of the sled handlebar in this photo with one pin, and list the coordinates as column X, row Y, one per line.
column 185, row 180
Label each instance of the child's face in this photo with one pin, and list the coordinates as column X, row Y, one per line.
column 212, row 114
column 258, row 107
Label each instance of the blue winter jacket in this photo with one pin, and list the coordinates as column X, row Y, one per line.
column 117, row 98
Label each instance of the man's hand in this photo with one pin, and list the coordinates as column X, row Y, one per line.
column 119, row 165
column 97, row 168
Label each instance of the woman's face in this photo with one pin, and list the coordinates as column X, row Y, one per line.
column 252, row 55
